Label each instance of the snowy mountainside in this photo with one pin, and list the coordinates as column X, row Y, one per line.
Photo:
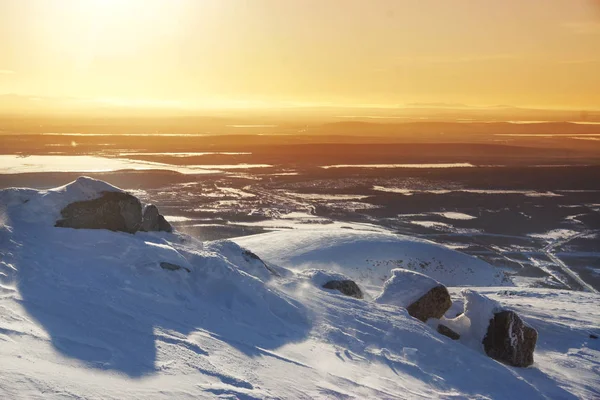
column 369, row 256
column 90, row 314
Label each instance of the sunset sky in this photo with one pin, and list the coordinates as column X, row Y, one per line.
column 199, row 53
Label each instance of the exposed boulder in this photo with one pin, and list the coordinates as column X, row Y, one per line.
column 116, row 211
column 509, row 340
column 432, row 304
column 172, row 267
column 422, row 296
column 347, row 287
column 152, row 220
column 333, row 281
column 444, row 330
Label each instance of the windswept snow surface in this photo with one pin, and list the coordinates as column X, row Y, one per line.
column 90, row 314
column 368, row 256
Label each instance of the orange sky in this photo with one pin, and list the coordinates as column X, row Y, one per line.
column 219, row 53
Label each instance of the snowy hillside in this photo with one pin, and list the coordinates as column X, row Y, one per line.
column 97, row 314
column 369, row 256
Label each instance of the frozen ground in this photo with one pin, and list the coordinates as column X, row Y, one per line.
column 90, row 314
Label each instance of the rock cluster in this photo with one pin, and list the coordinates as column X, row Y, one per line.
column 504, row 335
column 115, row 211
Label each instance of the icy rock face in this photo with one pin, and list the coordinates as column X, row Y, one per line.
column 347, row 287
column 115, row 211
column 422, row 296
column 509, row 340
column 154, row 221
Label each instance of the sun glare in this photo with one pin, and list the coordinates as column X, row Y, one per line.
column 117, row 27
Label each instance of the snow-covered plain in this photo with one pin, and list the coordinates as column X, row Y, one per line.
column 91, row 314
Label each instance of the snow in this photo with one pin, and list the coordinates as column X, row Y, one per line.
column 555, row 234
column 438, row 165
column 473, row 323
column 410, row 192
column 44, row 206
column 90, row 314
column 319, row 277
column 432, row 224
column 405, row 287
column 368, row 257
column 14, row 164
column 455, row 215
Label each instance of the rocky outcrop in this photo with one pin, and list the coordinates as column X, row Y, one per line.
column 444, row 330
column 432, row 304
column 115, row 211
column 347, row 287
column 509, row 340
column 153, row 221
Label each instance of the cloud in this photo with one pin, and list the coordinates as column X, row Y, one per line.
column 7, row 72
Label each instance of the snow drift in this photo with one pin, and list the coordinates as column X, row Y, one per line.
column 368, row 257
column 91, row 314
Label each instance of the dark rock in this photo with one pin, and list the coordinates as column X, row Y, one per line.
column 172, row 267
column 444, row 330
column 432, row 304
column 509, row 340
column 592, row 336
column 152, row 220
column 347, row 287
column 116, row 211
column 250, row 256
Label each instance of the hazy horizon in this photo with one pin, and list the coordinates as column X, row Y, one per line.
column 184, row 56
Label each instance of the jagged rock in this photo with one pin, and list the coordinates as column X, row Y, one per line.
column 509, row 340
column 116, row 211
column 153, row 221
column 444, row 330
column 432, row 304
column 347, row 287
column 172, row 267
column 422, row 296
